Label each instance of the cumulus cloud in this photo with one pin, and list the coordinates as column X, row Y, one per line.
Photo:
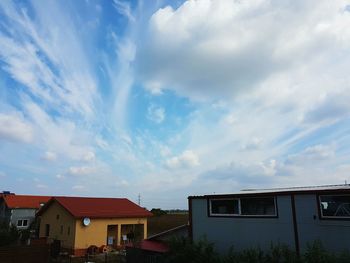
column 221, row 48
column 187, row 159
column 156, row 114
column 14, row 128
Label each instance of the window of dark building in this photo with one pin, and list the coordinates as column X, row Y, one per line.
column 262, row 206
column 335, row 206
column 224, row 207
column 243, row 206
column 47, row 230
column 22, row 222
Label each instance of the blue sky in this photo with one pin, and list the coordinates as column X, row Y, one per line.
column 173, row 98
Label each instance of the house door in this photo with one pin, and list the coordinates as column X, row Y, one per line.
column 112, row 235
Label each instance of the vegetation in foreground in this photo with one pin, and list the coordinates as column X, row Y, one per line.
column 182, row 250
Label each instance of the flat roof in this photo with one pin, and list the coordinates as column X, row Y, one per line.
column 284, row 191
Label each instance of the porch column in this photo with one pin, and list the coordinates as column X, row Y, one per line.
column 119, row 234
column 145, row 230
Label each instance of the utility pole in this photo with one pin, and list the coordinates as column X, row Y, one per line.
column 139, row 199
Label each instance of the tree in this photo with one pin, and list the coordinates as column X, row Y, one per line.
column 8, row 234
column 158, row 212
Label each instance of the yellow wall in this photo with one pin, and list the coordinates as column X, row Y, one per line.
column 96, row 232
column 65, row 219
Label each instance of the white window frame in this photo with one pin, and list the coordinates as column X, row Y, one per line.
column 239, row 207
column 258, row 197
column 220, row 199
column 331, row 217
column 22, row 224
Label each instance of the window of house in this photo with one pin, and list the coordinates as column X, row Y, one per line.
column 47, row 230
column 262, row 206
column 57, row 217
column 335, row 206
column 68, row 231
column 61, row 230
column 224, row 207
column 252, row 206
column 22, row 222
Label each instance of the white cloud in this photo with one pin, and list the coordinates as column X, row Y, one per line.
column 311, row 155
column 2, row 174
column 156, row 114
column 50, row 156
column 31, row 44
column 187, row 159
column 59, row 176
column 123, row 8
column 121, row 183
column 13, row 127
column 61, row 134
column 79, row 188
column 81, row 170
column 253, row 144
column 221, row 48
column 89, row 156
column 41, row 186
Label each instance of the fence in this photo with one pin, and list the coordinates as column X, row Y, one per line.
column 24, row 254
column 99, row 258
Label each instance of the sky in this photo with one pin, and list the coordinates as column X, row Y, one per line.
column 166, row 99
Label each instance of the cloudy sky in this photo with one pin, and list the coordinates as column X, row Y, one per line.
column 173, row 98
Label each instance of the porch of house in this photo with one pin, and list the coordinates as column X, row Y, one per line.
column 122, row 234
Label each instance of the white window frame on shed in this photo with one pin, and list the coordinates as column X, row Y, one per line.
column 334, row 216
column 220, row 199
column 239, row 214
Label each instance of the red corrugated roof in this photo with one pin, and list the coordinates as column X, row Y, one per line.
column 154, row 246
column 25, row 201
column 92, row 207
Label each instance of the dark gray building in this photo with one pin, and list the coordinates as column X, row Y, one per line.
column 20, row 210
column 255, row 218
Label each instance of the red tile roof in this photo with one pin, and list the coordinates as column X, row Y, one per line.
column 25, row 201
column 92, row 207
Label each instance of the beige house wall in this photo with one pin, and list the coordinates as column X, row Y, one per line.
column 58, row 217
column 96, row 232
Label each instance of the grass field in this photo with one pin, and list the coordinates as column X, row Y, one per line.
column 157, row 224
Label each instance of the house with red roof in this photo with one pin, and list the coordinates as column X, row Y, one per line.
column 77, row 223
column 20, row 210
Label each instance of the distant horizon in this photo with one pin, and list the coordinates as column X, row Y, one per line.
column 169, row 99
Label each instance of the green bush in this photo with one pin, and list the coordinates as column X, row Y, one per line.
column 184, row 251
